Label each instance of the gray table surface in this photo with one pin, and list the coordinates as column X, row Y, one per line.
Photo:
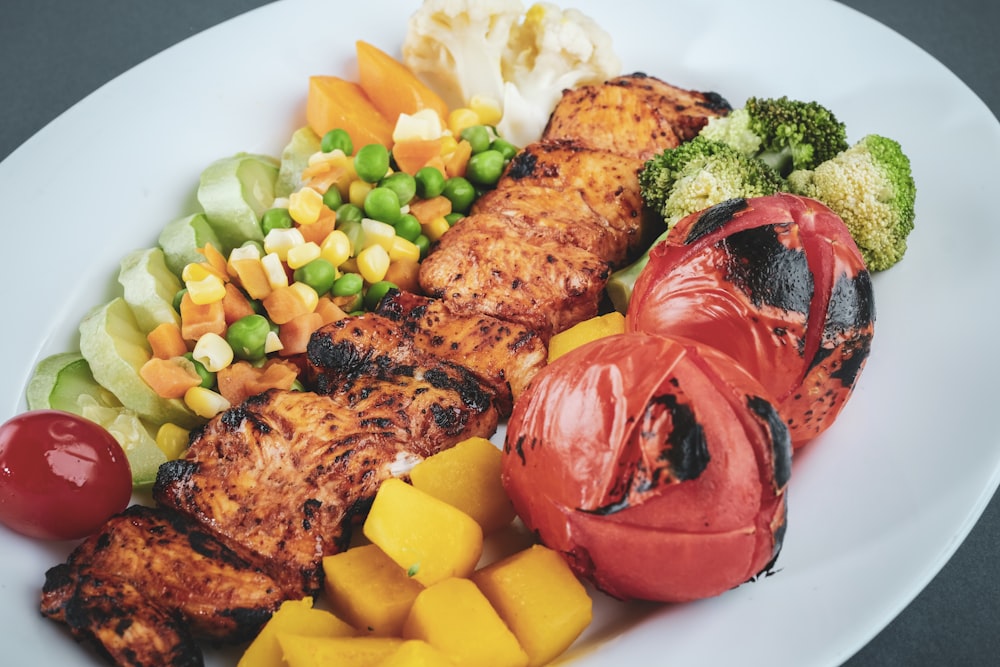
column 47, row 64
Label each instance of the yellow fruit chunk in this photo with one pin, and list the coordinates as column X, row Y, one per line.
column 467, row 476
column 304, row 651
column 417, row 653
column 539, row 598
column 584, row 332
column 456, row 618
column 427, row 537
column 369, row 590
column 294, row 616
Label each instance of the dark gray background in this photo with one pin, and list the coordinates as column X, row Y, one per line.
column 47, row 65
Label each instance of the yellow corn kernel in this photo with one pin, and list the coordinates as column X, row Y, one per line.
column 249, row 251
column 272, row 343
column 308, row 295
column 205, row 402
column 279, row 241
column 487, row 108
column 403, row 250
column 300, row 255
column 213, row 352
column 172, row 440
column 305, row 205
column 461, row 118
column 274, row 269
column 435, row 228
column 198, row 271
column 357, row 191
column 373, row 263
column 336, row 247
column 448, row 144
column 207, row 290
column 377, row 233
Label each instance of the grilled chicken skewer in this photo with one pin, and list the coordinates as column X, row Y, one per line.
column 520, row 256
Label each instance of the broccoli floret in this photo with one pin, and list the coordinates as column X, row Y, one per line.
column 699, row 173
column 784, row 133
column 870, row 186
column 687, row 179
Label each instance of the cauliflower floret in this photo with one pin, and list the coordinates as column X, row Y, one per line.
column 495, row 50
column 456, row 46
column 550, row 51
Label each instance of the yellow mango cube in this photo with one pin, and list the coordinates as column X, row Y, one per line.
column 417, row 653
column 455, row 617
column 302, row 651
column 427, row 537
column 467, row 476
column 539, row 598
column 369, row 590
column 584, row 332
column 298, row 616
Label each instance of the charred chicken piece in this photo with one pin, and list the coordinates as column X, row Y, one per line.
column 286, row 475
column 150, row 583
column 538, row 283
column 635, row 115
column 503, row 355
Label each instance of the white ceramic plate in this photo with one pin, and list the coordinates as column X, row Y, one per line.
column 876, row 506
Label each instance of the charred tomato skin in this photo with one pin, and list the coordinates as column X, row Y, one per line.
column 656, row 466
column 61, row 476
column 778, row 284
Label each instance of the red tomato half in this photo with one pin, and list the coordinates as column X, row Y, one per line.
column 778, row 284
column 61, row 476
column 657, row 466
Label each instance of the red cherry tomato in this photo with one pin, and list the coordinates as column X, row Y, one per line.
column 61, row 476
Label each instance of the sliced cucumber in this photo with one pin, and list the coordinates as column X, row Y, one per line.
column 64, row 382
column 115, row 348
column 234, row 193
column 294, row 159
column 181, row 238
column 134, row 435
column 60, row 380
column 149, row 288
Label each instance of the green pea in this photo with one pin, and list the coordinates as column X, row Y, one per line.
column 430, row 182
column 247, row 336
column 336, row 138
column 452, row 218
column 383, row 204
column 403, row 184
column 408, row 227
column 332, row 198
column 371, row 162
column 275, row 218
column 460, row 192
column 477, row 136
column 207, row 376
column 349, row 211
column 348, row 284
column 178, row 298
column 423, row 243
column 318, row 274
column 507, row 149
column 376, row 291
column 485, row 168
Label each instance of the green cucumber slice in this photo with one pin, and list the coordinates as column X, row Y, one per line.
column 181, row 238
column 149, row 288
column 234, row 193
column 115, row 348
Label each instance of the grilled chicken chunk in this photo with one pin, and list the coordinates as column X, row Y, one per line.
column 285, row 475
column 482, row 266
column 150, row 582
column 634, row 115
